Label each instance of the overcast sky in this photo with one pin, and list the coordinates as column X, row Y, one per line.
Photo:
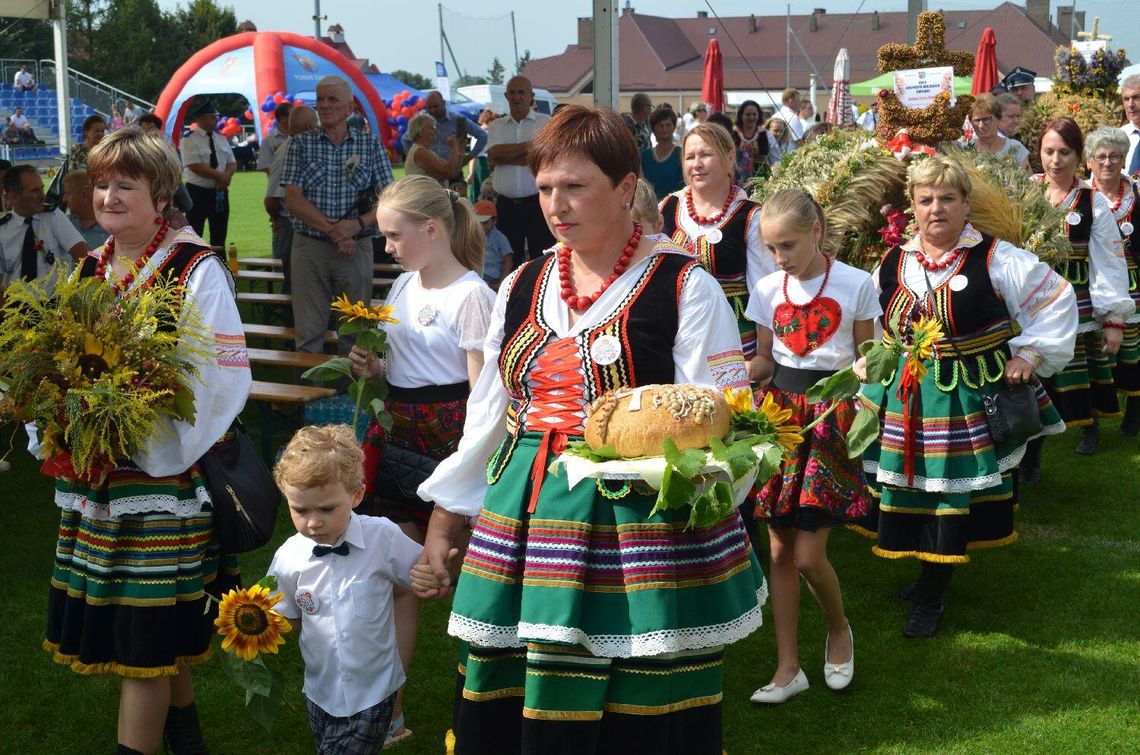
column 406, row 34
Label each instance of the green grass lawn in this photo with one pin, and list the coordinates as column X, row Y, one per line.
column 1039, row 650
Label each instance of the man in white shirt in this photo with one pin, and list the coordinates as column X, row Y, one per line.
column 789, row 114
column 520, row 217
column 208, row 166
column 297, row 121
column 24, row 81
column 869, row 120
column 1130, row 95
column 32, row 240
column 275, row 138
column 130, row 114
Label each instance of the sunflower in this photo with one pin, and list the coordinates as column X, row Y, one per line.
column 350, row 312
column 787, row 435
column 739, row 400
column 927, row 332
column 98, row 357
column 249, row 624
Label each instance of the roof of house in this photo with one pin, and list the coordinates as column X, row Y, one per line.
column 667, row 54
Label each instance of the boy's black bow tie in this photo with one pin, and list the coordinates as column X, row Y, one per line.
column 324, row 550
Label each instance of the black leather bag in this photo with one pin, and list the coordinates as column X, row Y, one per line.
column 401, row 471
column 1011, row 410
column 245, row 497
column 1012, row 413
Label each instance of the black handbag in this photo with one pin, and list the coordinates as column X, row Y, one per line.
column 401, row 471
column 1011, row 410
column 245, row 497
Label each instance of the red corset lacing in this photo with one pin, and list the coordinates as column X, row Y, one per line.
column 555, row 406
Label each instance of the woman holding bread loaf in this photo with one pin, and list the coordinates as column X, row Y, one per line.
column 1004, row 318
column 588, row 625
column 810, row 316
column 715, row 221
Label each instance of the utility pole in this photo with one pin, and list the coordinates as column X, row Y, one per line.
column 317, row 18
column 515, row 38
column 439, row 7
column 788, row 47
column 62, row 97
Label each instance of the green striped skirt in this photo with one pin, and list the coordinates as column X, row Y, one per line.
column 129, row 593
column 590, row 584
column 1085, row 389
column 960, row 493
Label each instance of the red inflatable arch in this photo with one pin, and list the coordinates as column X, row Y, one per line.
column 260, row 64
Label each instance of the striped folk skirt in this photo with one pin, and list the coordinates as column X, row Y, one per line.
column 129, row 593
column 960, row 493
column 589, row 625
column 1085, row 390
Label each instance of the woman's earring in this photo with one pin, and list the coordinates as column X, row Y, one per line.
column 627, row 205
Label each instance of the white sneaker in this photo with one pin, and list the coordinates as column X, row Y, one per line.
column 839, row 675
column 772, row 695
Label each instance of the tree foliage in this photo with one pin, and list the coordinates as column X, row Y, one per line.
column 414, row 79
column 522, row 61
column 495, row 72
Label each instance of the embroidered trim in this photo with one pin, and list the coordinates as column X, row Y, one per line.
column 728, row 369
column 231, row 350
column 133, row 505
column 613, row 645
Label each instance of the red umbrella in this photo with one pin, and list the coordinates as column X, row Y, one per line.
column 712, row 87
column 985, row 64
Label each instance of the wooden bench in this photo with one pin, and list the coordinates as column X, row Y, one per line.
column 280, row 332
column 277, row 394
column 269, row 277
column 272, row 263
column 277, row 300
column 298, row 359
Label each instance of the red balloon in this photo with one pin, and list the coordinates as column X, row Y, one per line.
column 298, row 101
column 248, row 114
column 278, row 98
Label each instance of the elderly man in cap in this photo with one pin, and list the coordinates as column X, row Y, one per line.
column 332, row 176
column 498, row 260
column 447, row 126
column 1019, row 83
column 208, row 166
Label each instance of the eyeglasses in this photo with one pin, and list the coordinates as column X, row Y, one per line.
column 982, row 122
column 1108, row 159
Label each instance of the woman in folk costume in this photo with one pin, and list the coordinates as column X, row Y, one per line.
column 588, row 626
column 1083, row 390
column 945, row 485
column 715, row 220
column 118, row 605
column 1105, row 151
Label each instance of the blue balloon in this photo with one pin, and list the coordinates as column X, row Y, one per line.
column 402, row 120
column 267, row 107
column 412, row 100
column 391, row 121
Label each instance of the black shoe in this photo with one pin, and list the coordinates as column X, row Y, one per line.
column 910, row 592
column 923, row 620
column 1130, row 425
column 1090, row 439
column 1029, row 471
column 183, row 735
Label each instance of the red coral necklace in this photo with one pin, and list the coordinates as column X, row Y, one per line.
column 109, row 252
column 826, row 274
column 701, row 219
column 584, row 302
column 1119, row 194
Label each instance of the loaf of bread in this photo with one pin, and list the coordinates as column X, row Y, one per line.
column 634, row 421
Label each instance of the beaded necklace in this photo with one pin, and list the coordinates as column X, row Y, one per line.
column 701, row 219
column 822, row 286
column 567, row 285
column 109, row 252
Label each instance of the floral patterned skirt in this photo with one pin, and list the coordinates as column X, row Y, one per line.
column 818, row 486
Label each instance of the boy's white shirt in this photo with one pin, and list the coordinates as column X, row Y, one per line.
column 348, row 631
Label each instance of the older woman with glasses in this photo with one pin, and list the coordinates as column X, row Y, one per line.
column 1105, row 150
column 985, row 118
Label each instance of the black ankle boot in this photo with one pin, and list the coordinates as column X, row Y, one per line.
column 183, row 735
column 1029, row 473
column 124, row 750
column 910, row 592
column 1090, row 439
column 928, row 607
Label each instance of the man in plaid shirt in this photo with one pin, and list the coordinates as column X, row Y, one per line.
column 330, row 176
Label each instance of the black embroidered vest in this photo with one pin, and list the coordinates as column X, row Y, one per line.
column 975, row 316
column 644, row 323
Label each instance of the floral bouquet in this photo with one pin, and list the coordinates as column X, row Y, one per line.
column 1096, row 77
column 96, row 372
column 366, row 393
column 249, row 625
